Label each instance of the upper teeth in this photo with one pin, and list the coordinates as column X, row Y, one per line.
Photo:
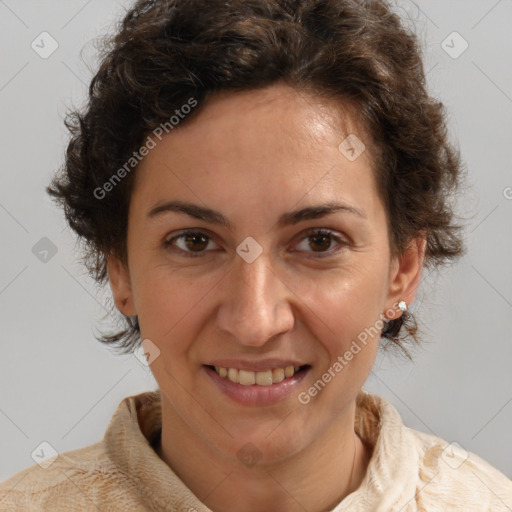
column 266, row 378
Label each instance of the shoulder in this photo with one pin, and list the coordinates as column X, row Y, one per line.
column 102, row 476
column 414, row 471
column 452, row 475
column 62, row 483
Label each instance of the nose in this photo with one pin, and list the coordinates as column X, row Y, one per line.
column 255, row 305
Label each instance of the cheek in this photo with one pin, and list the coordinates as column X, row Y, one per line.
column 168, row 306
column 345, row 315
column 345, row 304
column 168, row 310
column 347, row 321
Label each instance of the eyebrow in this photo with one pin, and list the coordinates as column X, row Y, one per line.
column 287, row 219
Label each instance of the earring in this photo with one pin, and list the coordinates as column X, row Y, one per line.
column 403, row 306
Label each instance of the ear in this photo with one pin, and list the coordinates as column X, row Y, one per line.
column 120, row 284
column 405, row 275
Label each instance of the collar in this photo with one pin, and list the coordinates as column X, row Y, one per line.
column 134, row 432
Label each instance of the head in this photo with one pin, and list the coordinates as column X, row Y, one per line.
column 253, row 119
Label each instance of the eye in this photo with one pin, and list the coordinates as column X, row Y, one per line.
column 321, row 241
column 192, row 243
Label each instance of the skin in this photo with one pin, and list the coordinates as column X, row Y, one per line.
column 254, row 156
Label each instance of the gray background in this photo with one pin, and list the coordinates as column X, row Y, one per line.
column 61, row 386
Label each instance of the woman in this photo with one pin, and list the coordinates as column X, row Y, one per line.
column 261, row 183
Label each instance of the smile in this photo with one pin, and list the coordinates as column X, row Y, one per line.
column 262, row 378
column 257, row 388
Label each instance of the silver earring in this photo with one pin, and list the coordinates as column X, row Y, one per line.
column 403, row 306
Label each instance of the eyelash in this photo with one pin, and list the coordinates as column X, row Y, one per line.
column 309, row 233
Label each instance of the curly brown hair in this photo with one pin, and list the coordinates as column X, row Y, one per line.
column 356, row 52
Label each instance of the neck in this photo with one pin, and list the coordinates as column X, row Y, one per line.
column 315, row 479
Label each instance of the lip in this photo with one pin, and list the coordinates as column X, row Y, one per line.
column 255, row 366
column 256, row 395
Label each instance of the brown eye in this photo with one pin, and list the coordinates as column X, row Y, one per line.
column 320, row 241
column 189, row 242
column 196, row 241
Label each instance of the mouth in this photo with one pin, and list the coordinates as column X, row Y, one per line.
column 259, row 378
column 257, row 388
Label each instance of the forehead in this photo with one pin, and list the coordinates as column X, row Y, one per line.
column 278, row 115
column 255, row 143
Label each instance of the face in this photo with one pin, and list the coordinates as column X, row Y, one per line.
column 281, row 282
